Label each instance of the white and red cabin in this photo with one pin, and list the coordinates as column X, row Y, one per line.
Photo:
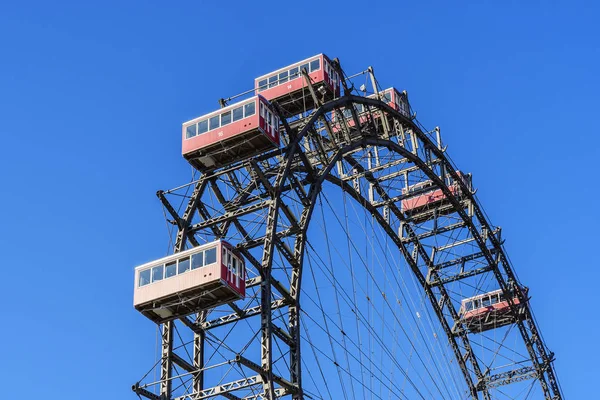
column 490, row 310
column 391, row 96
column 231, row 134
column 395, row 99
column 289, row 88
column 203, row 277
column 425, row 196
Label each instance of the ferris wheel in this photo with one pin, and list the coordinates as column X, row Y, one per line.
column 328, row 248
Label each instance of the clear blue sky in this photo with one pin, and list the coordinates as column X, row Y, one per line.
column 92, row 95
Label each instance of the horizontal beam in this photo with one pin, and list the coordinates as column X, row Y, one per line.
column 461, row 242
column 249, row 312
column 460, row 276
column 395, row 174
column 279, row 392
column 229, row 216
column 265, row 195
column 283, row 335
column 223, row 389
column 252, row 243
column 253, row 282
column 375, row 169
column 433, row 232
column 230, row 396
column 508, row 377
column 143, row 392
column 182, row 363
column 460, row 260
column 258, row 369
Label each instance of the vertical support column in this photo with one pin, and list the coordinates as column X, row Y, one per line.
column 295, row 359
column 294, row 309
column 266, row 341
column 182, row 234
column 199, row 356
column 266, row 327
column 384, row 120
column 356, row 181
column 166, row 363
column 400, row 135
column 370, row 166
column 438, row 137
column 414, row 141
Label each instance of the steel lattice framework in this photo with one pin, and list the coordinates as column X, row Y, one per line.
column 264, row 205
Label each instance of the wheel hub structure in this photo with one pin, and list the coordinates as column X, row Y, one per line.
column 368, row 300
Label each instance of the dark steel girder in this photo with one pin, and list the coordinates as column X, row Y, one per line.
column 182, row 223
column 144, row 392
column 264, row 373
column 508, row 377
column 441, row 281
column 461, row 260
column 224, row 389
column 234, row 317
column 434, row 232
column 229, row 216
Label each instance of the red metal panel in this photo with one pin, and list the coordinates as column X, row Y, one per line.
column 500, row 307
column 333, row 85
column 224, row 272
column 224, row 268
column 240, row 286
column 400, row 99
column 272, row 132
column 261, row 121
column 394, row 99
column 426, row 198
column 326, row 78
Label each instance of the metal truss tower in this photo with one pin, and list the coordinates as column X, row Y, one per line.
column 264, row 205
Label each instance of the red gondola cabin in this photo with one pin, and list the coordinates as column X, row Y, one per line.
column 395, row 99
column 490, row 310
column 230, row 134
column 423, row 197
column 289, row 88
column 180, row 284
column 391, row 96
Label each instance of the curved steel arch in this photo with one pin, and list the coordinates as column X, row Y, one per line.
column 342, row 152
column 271, row 176
column 544, row 369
